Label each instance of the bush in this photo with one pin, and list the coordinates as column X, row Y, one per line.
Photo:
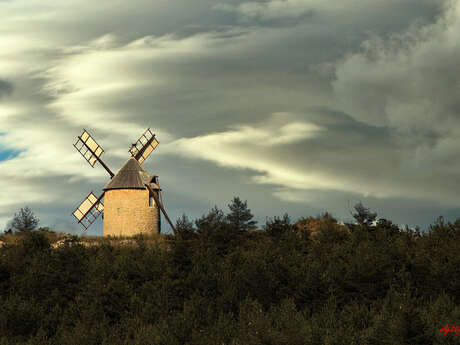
column 215, row 284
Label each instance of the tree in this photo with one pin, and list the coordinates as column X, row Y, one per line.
column 240, row 215
column 278, row 226
column 214, row 232
column 25, row 220
column 213, row 220
column 184, row 224
column 184, row 227
column 364, row 217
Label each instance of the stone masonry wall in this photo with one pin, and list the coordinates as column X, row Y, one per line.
column 127, row 212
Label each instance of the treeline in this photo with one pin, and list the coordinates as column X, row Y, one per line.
column 220, row 281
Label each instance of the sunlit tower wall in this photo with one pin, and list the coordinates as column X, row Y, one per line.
column 129, row 209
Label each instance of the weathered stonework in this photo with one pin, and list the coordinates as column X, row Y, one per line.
column 127, row 213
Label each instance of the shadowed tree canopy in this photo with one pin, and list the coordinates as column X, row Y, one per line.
column 25, row 220
column 184, row 227
column 240, row 216
column 278, row 226
column 363, row 215
column 214, row 219
column 183, row 224
column 211, row 284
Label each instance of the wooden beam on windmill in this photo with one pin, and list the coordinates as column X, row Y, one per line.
column 91, row 151
column 160, row 205
column 89, row 210
column 144, row 146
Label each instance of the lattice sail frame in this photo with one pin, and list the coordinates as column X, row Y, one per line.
column 88, row 211
column 144, row 146
column 88, row 148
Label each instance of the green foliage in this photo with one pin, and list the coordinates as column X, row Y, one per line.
column 363, row 215
column 184, row 226
column 212, row 221
column 216, row 284
column 279, row 226
column 240, row 216
column 24, row 220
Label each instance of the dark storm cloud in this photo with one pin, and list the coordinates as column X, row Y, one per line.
column 380, row 17
column 410, row 85
column 330, row 79
column 216, row 89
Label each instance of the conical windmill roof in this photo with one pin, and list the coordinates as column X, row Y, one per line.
column 131, row 176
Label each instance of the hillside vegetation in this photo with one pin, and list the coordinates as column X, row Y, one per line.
column 220, row 281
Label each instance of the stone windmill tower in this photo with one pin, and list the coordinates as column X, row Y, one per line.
column 132, row 196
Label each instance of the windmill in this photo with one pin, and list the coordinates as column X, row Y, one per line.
column 132, row 196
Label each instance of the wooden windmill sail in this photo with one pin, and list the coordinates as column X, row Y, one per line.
column 132, row 195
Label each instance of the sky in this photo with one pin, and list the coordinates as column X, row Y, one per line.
column 297, row 106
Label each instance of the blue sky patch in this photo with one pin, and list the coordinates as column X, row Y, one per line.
column 8, row 154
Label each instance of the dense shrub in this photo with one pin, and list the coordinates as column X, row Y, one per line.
column 313, row 282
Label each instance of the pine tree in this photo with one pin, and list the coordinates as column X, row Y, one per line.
column 240, row 215
column 364, row 217
column 24, row 220
column 184, row 224
column 278, row 226
column 213, row 220
column 184, row 227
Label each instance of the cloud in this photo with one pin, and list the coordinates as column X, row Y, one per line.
column 240, row 97
column 409, row 83
column 6, row 88
column 270, row 11
column 264, row 149
column 318, row 12
column 336, row 154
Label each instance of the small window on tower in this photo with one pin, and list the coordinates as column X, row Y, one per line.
column 151, row 200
